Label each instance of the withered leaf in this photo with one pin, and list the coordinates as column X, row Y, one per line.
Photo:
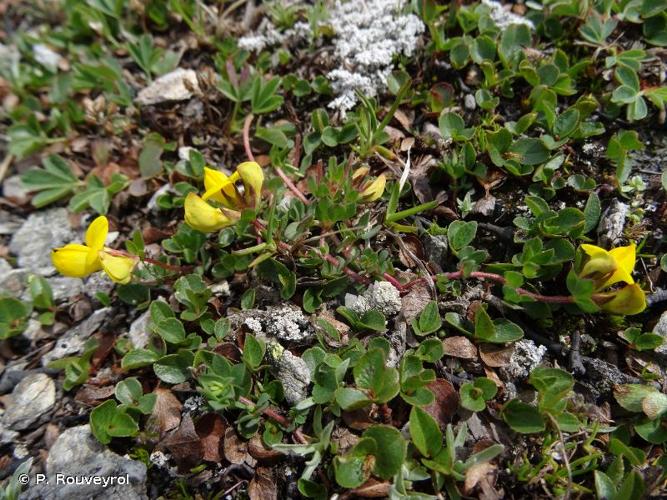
column 235, row 449
column 166, row 412
column 496, row 356
column 184, row 444
column 210, row 429
column 90, row 395
column 446, row 401
column 459, row 347
column 263, row 485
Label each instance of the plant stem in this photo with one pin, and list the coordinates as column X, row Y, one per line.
column 246, row 137
column 268, row 412
column 168, row 267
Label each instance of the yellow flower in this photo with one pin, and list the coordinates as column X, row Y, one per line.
column 203, row 217
column 77, row 261
column 628, row 300
column 609, row 267
column 222, row 188
column 369, row 191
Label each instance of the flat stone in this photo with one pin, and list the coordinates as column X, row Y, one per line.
column 76, row 452
column 12, row 281
column 40, row 233
column 13, row 188
column 140, row 332
column 65, row 288
column 169, row 87
column 73, row 341
column 612, row 223
column 660, row 328
column 32, row 397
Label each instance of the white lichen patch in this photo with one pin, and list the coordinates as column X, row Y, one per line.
column 503, row 17
column 381, row 296
column 527, row 355
column 288, row 323
column 368, row 36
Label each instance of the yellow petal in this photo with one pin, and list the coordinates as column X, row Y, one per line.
column 625, row 258
column 97, row 232
column 203, row 217
column 600, row 263
column 220, row 188
column 118, row 267
column 374, row 189
column 628, row 300
column 74, row 260
column 253, row 178
column 360, row 172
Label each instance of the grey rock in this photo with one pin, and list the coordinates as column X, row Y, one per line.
column 13, row 281
column 34, row 396
column 46, row 56
column 73, row 341
column 169, row 87
column 98, row 283
column 469, row 102
column 356, row 303
column 140, row 332
column 660, row 328
column 32, row 330
column 612, row 222
column 9, row 223
column 76, row 452
column 40, row 233
column 64, row 287
column 12, row 187
column 291, row 371
column 7, row 436
column 601, row 377
column 436, row 248
column 526, row 356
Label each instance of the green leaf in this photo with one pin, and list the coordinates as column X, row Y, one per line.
column 529, row 151
column 129, row 391
column 425, row 432
column 52, row 183
column 461, row 233
column 429, row 319
column 353, row 468
column 253, row 352
column 591, row 212
column 107, row 421
column 138, row 358
column 174, row 368
column 171, row 330
column 371, row 373
column 150, row 163
column 522, row 417
column 604, row 487
column 567, row 123
column 392, row 449
column 351, row 399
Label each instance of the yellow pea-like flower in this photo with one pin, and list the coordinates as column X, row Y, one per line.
column 610, row 267
column 222, row 188
column 613, row 266
column 628, row 300
column 374, row 190
column 203, row 217
column 78, row 261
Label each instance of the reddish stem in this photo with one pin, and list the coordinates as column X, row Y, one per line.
column 457, row 275
column 168, row 267
column 268, row 412
column 246, row 137
column 352, row 274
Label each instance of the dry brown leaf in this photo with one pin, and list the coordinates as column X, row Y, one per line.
column 184, row 444
column 478, row 473
column 496, row 356
column 446, row 401
column 236, row 450
column 414, row 246
column 263, row 485
column 210, row 428
column 261, row 453
column 415, row 301
column 459, row 347
column 372, row 489
column 166, row 412
column 90, row 395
